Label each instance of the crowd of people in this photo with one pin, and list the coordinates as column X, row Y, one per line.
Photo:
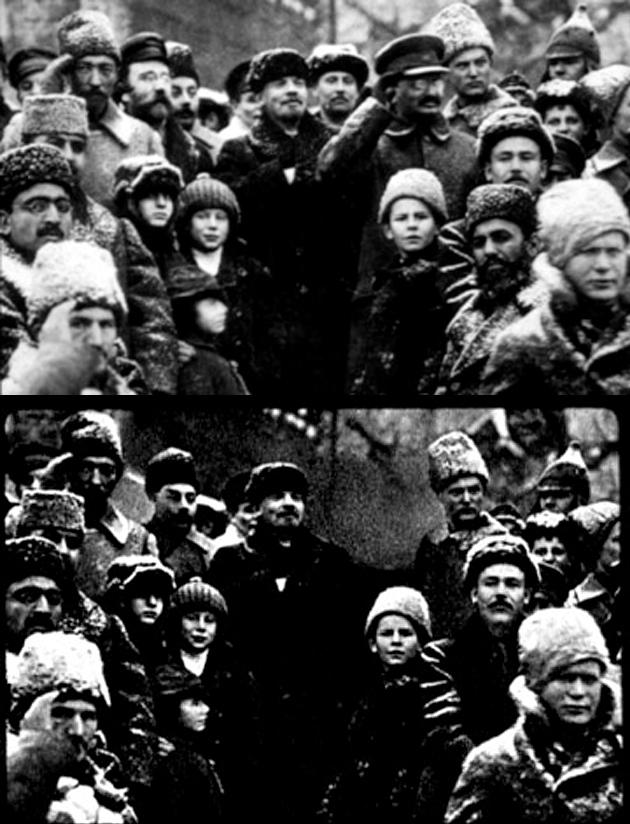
column 222, row 661
column 343, row 225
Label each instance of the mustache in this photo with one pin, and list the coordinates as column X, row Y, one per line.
column 500, row 602
column 37, row 623
column 50, row 229
column 431, row 98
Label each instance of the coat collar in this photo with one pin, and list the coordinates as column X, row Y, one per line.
column 608, row 157
column 437, row 130
column 115, row 525
column 474, row 113
column 119, row 125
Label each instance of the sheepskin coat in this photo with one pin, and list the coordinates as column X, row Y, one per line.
column 466, row 117
column 525, row 775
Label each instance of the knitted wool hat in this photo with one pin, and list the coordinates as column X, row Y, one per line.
column 61, row 662
column 54, row 114
column 499, row 549
column 560, row 92
column 575, row 38
column 460, row 28
column 26, row 166
column 404, row 601
column 143, row 46
column 512, row 121
column 87, row 32
column 195, row 595
column 569, row 222
column 568, row 471
column 411, row 55
column 188, row 282
column 26, row 62
column 170, row 466
column 555, row 638
column 51, row 508
column 204, row 192
column 569, row 158
column 501, row 200
column 127, row 572
column 180, row 60
column 595, row 523
column 24, row 557
column 73, row 270
column 274, row 64
column 606, row 87
column 343, row 57
column 236, row 80
column 452, row 456
column 508, row 515
column 417, row 183
column 137, row 175
column 269, row 478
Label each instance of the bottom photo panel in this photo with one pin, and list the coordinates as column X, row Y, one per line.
column 401, row 616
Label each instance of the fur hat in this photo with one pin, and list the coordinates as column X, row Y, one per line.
column 505, row 200
column 569, row 158
column 139, row 174
column 170, row 466
column 274, row 64
column 561, row 92
column 73, row 270
column 26, row 166
column 552, row 639
column 417, row 183
column 460, row 28
column 508, row 515
column 594, row 523
column 342, row 57
column 61, row 662
column 54, row 114
column 499, row 549
column 568, row 221
column 145, row 45
column 188, row 282
column 93, row 430
column 512, row 121
column 606, row 87
column 568, row 471
column 268, row 478
column 87, row 32
column 181, row 61
column 127, row 571
column 26, row 62
column 195, row 595
column 205, row 192
column 54, row 508
column 32, row 555
column 235, row 83
column 452, row 456
column 404, row 601
column 411, row 55
column 575, row 38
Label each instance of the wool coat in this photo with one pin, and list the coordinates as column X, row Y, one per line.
column 481, row 669
column 554, row 350
column 525, row 775
column 291, row 228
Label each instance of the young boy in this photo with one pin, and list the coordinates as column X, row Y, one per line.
column 75, row 309
column 407, row 320
column 407, row 721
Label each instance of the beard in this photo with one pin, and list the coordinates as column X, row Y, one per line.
column 155, row 111
column 500, row 279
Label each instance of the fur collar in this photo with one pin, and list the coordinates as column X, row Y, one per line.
column 474, row 113
column 564, row 299
column 267, row 135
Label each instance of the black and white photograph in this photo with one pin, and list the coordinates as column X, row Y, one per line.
column 326, row 615
column 315, row 199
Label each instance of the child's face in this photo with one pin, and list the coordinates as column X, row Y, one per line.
column 193, row 714
column 156, row 209
column 211, row 315
column 552, row 551
column 96, row 327
column 209, row 229
column 411, row 225
column 395, row 641
column 147, row 607
column 198, row 631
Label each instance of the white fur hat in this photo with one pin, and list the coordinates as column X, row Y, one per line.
column 417, row 183
column 452, row 456
column 404, row 601
column 73, row 270
column 573, row 213
column 461, row 28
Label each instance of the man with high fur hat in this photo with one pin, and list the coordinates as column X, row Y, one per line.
column 573, row 50
column 289, row 223
column 564, row 483
column 337, row 74
column 172, row 485
column 500, row 225
column 459, row 476
column 562, row 758
column 578, row 340
column 498, row 578
column 468, row 53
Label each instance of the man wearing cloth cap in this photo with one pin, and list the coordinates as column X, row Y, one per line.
column 480, row 658
column 244, row 102
column 288, row 592
column 290, row 222
column 26, row 67
column 337, row 74
column 146, row 84
column 562, row 759
column 573, row 49
column 500, row 224
column 171, row 483
column 468, row 53
column 578, row 340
